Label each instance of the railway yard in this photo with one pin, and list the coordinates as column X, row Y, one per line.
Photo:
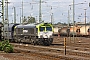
column 77, row 49
column 63, row 33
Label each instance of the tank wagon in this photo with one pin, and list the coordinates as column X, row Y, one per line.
column 76, row 30
column 64, row 31
column 83, row 31
column 73, row 30
column 31, row 33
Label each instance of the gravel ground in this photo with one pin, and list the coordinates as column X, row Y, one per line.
column 3, row 58
column 25, row 56
column 32, row 56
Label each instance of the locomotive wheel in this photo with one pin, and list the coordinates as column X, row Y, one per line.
column 40, row 42
column 51, row 41
column 32, row 42
column 47, row 43
column 15, row 39
column 35, row 41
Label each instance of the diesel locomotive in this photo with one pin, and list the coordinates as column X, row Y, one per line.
column 41, row 34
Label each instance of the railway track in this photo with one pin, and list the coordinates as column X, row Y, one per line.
column 54, row 51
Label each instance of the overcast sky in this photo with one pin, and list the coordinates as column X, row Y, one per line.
column 59, row 9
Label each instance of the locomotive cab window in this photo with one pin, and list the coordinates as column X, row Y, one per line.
column 42, row 28
column 48, row 29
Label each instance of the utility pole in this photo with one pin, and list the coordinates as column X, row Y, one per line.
column 40, row 16
column 22, row 12
column 85, row 21
column 14, row 15
column 3, row 12
column 6, row 13
column 6, row 17
column 73, row 21
column 69, row 15
column 20, row 15
column 51, row 16
column 68, row 19
column 3, row 16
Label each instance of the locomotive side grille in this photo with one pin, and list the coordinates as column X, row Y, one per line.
column 29, row 31
column 25, row 31
column 19, row 31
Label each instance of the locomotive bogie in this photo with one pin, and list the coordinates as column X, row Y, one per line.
column 43, row 41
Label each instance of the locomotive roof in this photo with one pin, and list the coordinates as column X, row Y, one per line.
column 31, row 25
column 26, row 26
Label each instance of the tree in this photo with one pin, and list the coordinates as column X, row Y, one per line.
column 31, row 19
column 59, row 23
column 24, row 20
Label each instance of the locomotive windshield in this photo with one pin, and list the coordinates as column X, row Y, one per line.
column 42, row 28
column 48, row 29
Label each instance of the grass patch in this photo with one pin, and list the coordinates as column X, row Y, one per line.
column 6, row 46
